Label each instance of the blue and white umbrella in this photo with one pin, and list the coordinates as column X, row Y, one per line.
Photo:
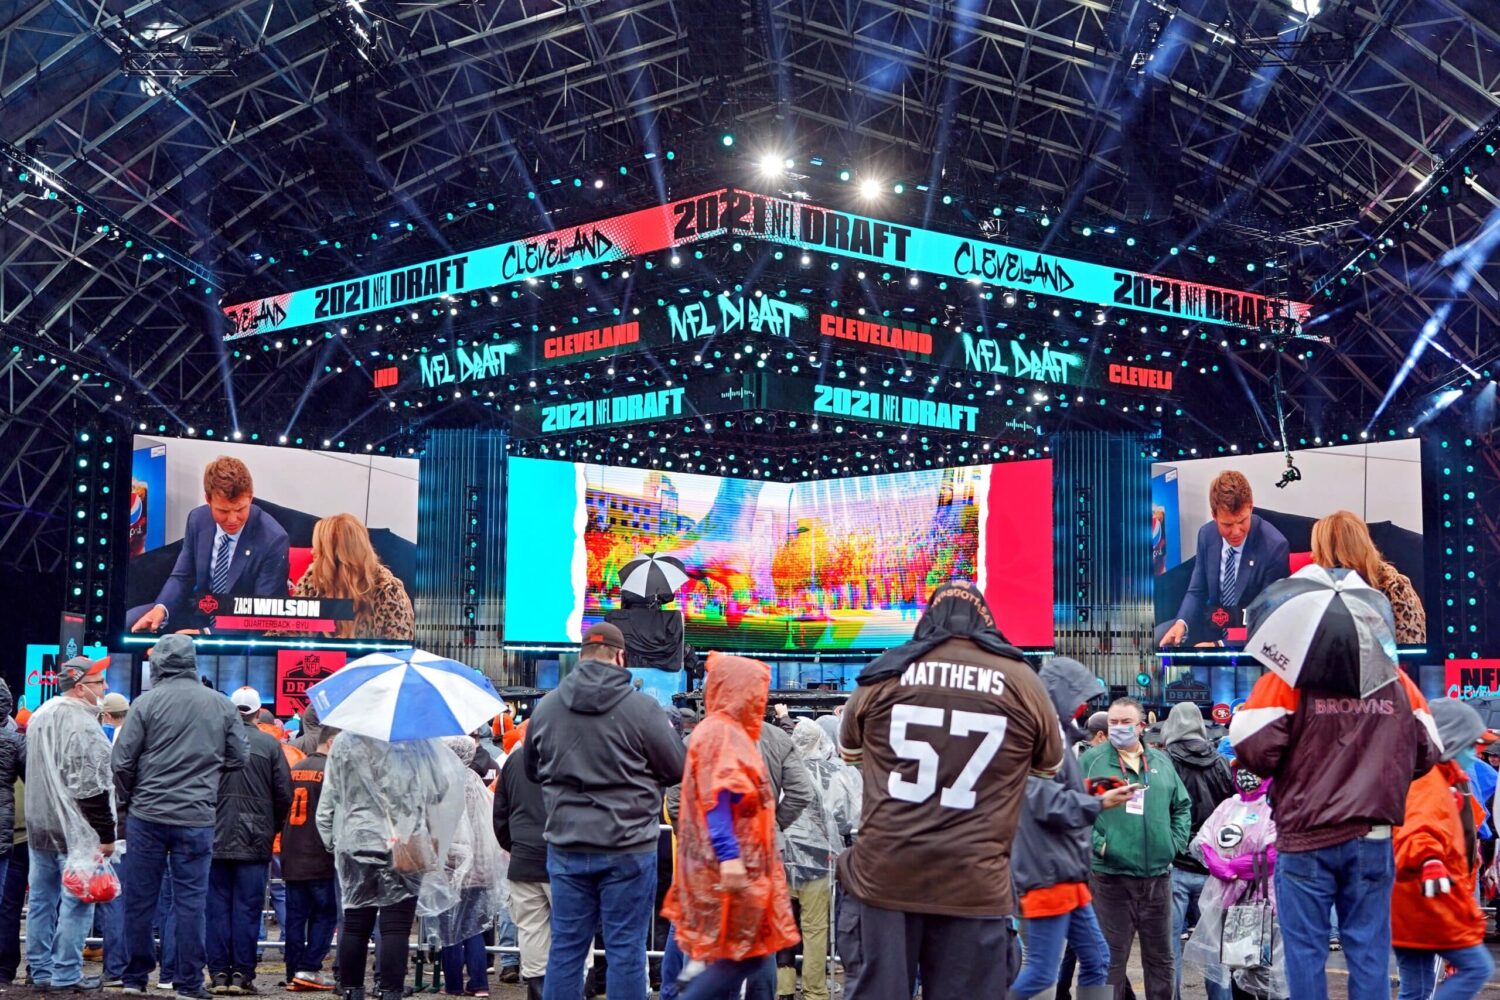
column 408, row 694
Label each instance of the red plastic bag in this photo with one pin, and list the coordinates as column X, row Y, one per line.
column 92, row 883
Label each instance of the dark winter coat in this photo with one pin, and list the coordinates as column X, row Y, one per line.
column 175, row 741
column 1054, row 837
column 520, row 817
column 1203, row 772
column 602, row 752
column 12, row 765
column 253, row 800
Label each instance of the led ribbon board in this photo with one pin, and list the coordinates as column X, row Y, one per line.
column 903, row 407
column 775, row 220
column 702, row 321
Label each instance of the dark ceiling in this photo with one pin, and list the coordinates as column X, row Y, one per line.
column 1237, row 124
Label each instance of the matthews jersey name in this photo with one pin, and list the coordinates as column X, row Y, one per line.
column 964, row 676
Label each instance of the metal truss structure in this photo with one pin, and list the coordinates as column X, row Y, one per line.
column 1230, row 124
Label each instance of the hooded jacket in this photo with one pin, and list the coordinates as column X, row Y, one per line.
column 1440, row 824
column 1055, row 835
column 722, row 758
column 1204, row 773
column 12, row 763
column 253, row 800
column 826, row 827
column 602, row 752
column 310, row 733
column 177, row 739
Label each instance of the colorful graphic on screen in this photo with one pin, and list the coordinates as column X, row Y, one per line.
column 254, row 571
column 830, row 565
column 1380, row 483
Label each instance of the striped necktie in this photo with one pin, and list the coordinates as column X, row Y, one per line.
column 1229, row 586
column 218, row 577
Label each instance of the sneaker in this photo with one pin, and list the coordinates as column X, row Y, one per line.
column 135, row 991
column 199, row 994
column 219, row 985
column 85, row 985
column 305, row 981
column 510, row 974
column 114, row 983
column 164, row 986
column 242, row 985
column 92, row 953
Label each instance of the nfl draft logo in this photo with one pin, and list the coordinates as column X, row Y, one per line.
column 207, row 604
column 297, row 671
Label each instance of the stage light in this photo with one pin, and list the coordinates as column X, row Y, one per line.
column 899, row 188
column 869, row 188
column 727, row 139
column 806, row 260
column 772, row 164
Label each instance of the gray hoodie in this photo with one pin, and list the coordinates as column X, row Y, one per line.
column 602, row 752
column 177, row 739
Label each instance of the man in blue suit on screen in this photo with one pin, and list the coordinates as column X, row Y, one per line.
column 1238, row 556
column 229, row 547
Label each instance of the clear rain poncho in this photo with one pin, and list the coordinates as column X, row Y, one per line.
column 68, row 759
column 825, row 828
column 1236, row 829
column 388, row 813
column 476, row 867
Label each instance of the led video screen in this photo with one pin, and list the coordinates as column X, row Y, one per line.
column 248, row 540
column 1194, row 585
column 842, row 564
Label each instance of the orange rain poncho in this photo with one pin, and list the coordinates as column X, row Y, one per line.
column 722, row 757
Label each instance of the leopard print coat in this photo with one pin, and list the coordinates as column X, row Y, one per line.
column 389, row 615
column 1406, row 606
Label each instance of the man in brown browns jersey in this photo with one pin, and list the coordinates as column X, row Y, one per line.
column 948, row 727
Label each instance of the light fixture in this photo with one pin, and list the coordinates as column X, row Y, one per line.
column 772, row 164
column 869, row 188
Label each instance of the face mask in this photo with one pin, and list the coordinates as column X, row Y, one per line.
column 1123, row 737
column 1465, row 758
column 1246, row 781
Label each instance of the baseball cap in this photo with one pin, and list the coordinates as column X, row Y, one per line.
column 604, row 634
column 76, row 669
column 247, row 700
column 114, row 703
column 1487, row 739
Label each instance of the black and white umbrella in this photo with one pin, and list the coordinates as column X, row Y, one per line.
column 1325, row 629
column 652, row 576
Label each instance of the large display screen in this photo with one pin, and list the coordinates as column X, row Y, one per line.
column 1380, row 483
column 325, row 547
column 841, row 564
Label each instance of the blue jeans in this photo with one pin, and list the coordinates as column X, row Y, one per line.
column 672, row 960
column 1186, row 887
column 56, row 924
column 1471, row 969
column 312, row 913
column 12, row 899
column 190, row 849
column 236, row 893
column 507, row 938
column 469, row 956
column 1356, row 878
column 722, row 980
column 1045, row 939
column 165, row 927
column 615, row 890
column 110, row 919
column 278, row 894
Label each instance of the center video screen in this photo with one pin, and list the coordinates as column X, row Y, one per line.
column 1200, row 601
column 253, row 541
column 833, row 565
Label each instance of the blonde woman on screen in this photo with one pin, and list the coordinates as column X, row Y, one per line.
column 1343, row 540
column 345, row 566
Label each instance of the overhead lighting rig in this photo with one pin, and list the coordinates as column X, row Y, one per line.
column 173, row 55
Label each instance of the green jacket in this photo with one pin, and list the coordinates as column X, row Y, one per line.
column 1140, row 845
